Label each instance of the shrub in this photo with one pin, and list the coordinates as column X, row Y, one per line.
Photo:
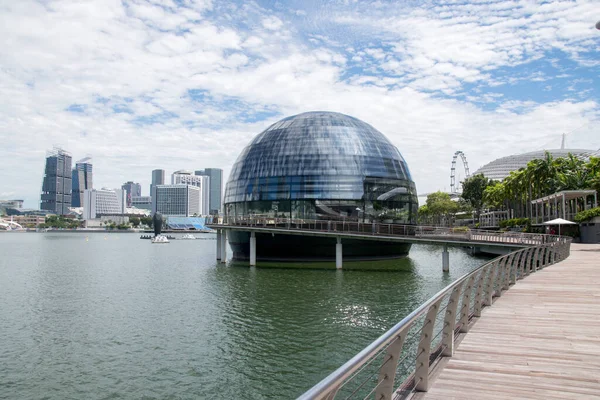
column 515, row 222
column 583, row 216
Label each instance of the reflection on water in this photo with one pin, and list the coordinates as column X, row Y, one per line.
column 114, row 316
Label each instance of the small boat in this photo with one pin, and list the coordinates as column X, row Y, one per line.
column 188, row 236
column 160, row 239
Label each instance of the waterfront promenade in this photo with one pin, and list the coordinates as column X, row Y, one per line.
column 540, row 340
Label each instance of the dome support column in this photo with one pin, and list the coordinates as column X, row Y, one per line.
column 223, row 246
column 253, row 249
column 445, row 259
column 338, row 253
column 219, row 244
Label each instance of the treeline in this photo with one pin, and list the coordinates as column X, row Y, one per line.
column 540, row 178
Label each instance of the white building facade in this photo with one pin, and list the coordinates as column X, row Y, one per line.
column 98, row 202
column 176, row 200
column 184, row 177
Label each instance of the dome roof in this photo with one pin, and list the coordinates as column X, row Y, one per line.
column 502, row 167
column 334, row 148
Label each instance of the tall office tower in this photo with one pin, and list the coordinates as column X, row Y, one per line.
column 57, row 185
column 132, row 189
column 176, row 200
column 216, row 188
column 184, row 177
column 158, row 178
column 82, row 180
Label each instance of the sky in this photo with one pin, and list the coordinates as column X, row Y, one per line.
column 186, row 84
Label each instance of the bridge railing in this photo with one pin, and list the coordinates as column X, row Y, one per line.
column 381, row 229
column 400, row 361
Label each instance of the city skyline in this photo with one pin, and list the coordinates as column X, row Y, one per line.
column 169, row 85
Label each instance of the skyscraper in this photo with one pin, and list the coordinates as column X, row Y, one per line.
column 158, row 178
column 176, row 200
column 184, row 177
column 132, row 189
column 57, row 184
column 82, row 180
column 216, row 188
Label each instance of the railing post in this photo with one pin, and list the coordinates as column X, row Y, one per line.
column 424, row 349
column 515, row 268
column 479, row 292
column 466, row 306
column 500, row 275
column 387, row 373
column 490, row 284
column 450, row 322
column 536, row 258
column 527, row 264
column 507, row 269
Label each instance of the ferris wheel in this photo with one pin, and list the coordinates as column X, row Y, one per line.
column 453, row 185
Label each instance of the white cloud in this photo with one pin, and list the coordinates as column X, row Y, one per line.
column 161, row 84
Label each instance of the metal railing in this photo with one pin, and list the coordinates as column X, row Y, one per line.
column 380, row 229
column 400, row 361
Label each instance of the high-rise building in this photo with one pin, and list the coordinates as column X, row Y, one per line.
column 216, row 188
column 82, row 180
column 57, row 184
column 184, row 177
column 158, row 178
column 176, row 200
column 132, row 189
column 98, row 202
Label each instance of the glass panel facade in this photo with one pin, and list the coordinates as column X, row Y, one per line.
column 322, row 165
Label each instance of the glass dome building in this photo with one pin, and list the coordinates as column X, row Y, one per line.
column 321, row 165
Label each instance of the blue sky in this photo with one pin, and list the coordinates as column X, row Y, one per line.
column 184, row 84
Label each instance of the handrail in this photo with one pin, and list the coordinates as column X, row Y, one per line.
column 474, row 290
column 380, row 229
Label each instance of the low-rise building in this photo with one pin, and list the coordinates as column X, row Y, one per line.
column 143, row 202
column 28, row 221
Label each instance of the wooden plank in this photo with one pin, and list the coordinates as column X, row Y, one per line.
column 540, row 340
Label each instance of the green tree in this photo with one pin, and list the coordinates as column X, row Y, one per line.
column 135, row 221
column 473, row 189
column 441, row 207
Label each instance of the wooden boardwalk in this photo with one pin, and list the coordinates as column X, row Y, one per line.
column 540, row 340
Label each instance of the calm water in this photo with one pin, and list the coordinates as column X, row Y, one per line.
column 110, row 316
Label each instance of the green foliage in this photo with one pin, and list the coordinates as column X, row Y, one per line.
column 135, row 221
column 123, row 226
column 515, row 222
column 587, row 214
column 473, row 190
column 439, row 207
column 540, row 178
column 60, row 222
column 146, row 221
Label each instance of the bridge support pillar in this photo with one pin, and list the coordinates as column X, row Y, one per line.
column 223, row 246
column 218, row 244
column 445, row 260
column 338, row 253
column 252, row 249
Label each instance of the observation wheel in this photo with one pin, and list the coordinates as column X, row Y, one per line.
column 453, row 185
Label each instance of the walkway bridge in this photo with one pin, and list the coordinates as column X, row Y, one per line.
column 486, row 241
column 528, row 326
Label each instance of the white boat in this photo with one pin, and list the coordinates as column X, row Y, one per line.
column 188, row 236
column 160, row 239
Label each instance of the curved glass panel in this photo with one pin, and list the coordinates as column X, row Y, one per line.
column 322, row 165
